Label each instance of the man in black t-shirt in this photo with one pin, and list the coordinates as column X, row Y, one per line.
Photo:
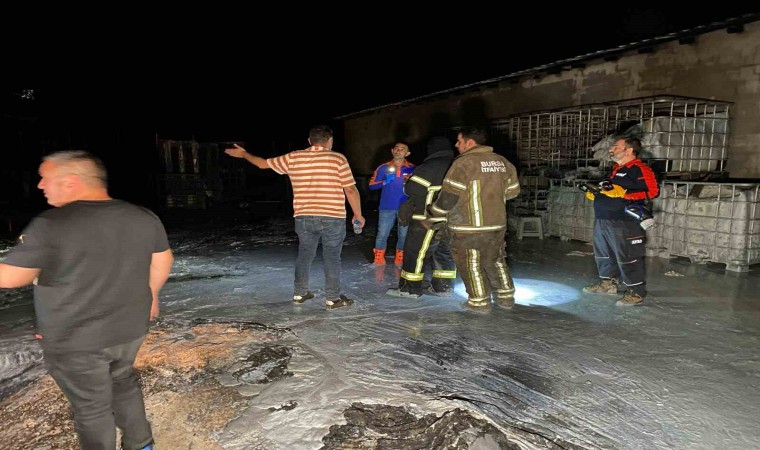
column 98, row 265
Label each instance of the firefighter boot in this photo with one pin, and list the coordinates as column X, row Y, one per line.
column 505, row 298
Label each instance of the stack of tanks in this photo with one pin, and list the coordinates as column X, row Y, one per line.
column 197, row 174
column 684, row 139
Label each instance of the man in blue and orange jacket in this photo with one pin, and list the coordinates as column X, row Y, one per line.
column 390, row 177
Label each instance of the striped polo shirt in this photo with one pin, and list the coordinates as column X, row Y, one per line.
column 318, row 176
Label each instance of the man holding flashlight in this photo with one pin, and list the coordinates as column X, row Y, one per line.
column 390, row 177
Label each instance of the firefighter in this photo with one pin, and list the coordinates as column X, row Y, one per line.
column 425, row 246
column 472, row 203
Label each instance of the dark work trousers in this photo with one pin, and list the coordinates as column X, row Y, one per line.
column 426, row 248
column 619, row 251
column 481, row 261
column 104, row 392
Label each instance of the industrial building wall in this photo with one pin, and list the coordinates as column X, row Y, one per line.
column 718, row 66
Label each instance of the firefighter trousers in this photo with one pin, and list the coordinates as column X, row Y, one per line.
column 426, row 248
column 482, row 264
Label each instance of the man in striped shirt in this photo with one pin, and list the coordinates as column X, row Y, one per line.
column 322, row 181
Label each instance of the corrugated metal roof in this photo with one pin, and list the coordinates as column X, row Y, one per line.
column 687, row 36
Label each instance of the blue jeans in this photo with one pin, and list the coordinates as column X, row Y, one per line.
column 331, row 231
column 388, row 218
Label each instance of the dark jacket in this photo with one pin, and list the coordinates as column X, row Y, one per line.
column 425, row 183
column 639, row 182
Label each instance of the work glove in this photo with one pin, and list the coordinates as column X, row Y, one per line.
column 615, row 192
column 590, row 195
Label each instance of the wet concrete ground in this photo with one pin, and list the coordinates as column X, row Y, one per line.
column 682, row 370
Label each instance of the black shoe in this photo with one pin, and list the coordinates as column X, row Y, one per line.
column 439, row 293
column 302, row 298
column 399, row 293
column 339, row 302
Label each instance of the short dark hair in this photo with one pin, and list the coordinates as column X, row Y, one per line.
column 634, row 143
column 320, row 134
column 477, row 134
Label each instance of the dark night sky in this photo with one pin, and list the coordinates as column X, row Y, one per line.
column 235, row 83
column 259, row 84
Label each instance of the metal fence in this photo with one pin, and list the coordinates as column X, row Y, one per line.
column 680, row 135
column 717, row 222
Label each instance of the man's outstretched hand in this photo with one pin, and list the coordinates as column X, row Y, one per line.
column 236, row 151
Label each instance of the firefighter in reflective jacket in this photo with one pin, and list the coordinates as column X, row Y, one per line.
column 426, row 247
column 472, row 203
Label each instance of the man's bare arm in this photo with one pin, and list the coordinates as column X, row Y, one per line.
column 160, row 267
column 14, row 276
column 239, row 152
column 354, row 199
